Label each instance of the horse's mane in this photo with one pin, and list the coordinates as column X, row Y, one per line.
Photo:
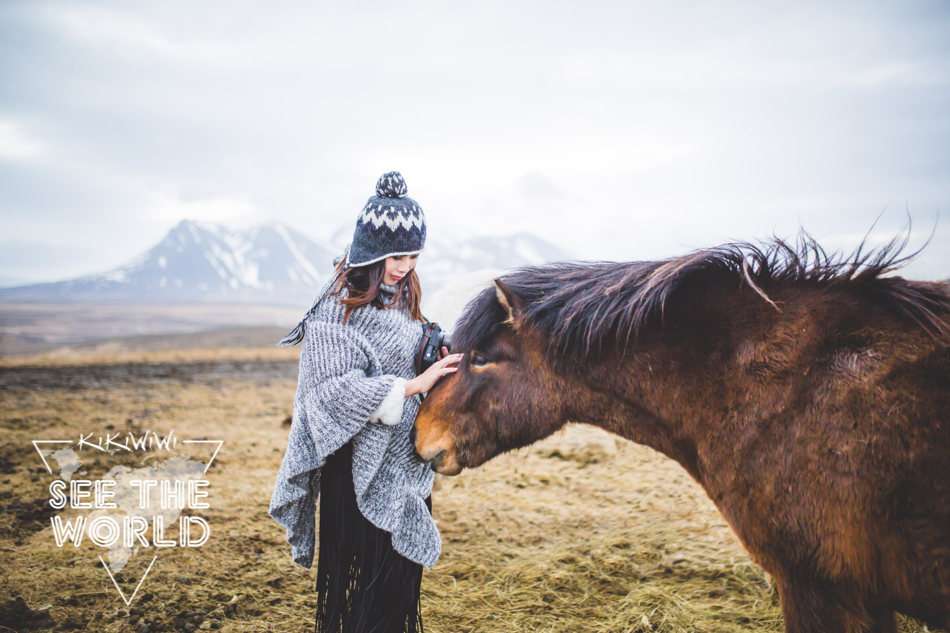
column 580, row 306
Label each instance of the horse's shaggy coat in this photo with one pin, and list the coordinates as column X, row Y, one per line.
column 809, row 394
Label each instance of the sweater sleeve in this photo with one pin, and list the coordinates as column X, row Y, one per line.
column 341, row 386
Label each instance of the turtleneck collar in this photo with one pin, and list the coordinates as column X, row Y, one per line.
column 387, row 289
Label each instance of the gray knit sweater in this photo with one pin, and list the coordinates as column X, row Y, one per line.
column 352, row 387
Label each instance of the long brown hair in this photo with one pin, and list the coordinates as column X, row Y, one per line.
column 362, row 285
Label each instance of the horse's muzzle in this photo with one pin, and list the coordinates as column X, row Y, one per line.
column 434, row 449
column 430, row 461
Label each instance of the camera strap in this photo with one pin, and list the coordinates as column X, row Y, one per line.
column 426, row 335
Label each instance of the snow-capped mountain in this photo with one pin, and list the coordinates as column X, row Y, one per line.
column 200, row 262
column 271, row 263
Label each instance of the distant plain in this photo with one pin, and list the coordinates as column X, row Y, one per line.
column 42, row 328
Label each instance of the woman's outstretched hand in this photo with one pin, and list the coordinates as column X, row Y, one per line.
column 423, row 382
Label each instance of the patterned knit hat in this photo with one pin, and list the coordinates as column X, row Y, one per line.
column 391, row 224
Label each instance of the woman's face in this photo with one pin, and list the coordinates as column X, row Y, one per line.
column 398, row 267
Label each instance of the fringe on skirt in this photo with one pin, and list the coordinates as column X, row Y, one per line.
column 363, row 584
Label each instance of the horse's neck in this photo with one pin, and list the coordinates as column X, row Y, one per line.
column 670, row 391
column 654, row 412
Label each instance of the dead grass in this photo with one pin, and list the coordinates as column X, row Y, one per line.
column 581, row 533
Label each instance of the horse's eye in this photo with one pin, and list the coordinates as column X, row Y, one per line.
column 479, row 361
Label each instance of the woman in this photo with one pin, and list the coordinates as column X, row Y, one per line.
column 357, row 397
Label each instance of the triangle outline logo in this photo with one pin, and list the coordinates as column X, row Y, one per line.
column 119, row 589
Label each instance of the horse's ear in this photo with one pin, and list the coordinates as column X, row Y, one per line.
column 510, row 302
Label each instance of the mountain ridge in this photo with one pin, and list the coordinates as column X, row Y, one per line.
column 273, row 263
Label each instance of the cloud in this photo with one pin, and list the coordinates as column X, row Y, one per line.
column 899, row 74
column 167, row 205
column 537, row 185
column 16, row 143
column 131, row 38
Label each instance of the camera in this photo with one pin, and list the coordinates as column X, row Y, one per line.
column 434, row 338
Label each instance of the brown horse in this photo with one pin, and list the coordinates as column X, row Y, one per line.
column 808, row 394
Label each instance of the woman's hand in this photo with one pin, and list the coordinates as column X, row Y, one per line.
column 424, row 381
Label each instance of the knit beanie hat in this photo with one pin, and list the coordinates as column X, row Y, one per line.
column 391, row 224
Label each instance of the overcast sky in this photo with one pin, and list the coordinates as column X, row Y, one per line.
column 617, row 130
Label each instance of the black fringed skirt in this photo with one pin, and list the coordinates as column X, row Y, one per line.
column 363, row 584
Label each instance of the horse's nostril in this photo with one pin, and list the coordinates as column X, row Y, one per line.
column 412, row 435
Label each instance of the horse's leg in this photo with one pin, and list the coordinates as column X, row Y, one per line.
column 810, row 609
column 817, row 607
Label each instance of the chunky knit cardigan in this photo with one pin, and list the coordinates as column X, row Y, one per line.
column 351, row 387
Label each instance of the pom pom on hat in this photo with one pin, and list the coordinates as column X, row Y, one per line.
column 391, row 185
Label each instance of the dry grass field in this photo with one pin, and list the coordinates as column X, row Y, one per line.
column 583, row 532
